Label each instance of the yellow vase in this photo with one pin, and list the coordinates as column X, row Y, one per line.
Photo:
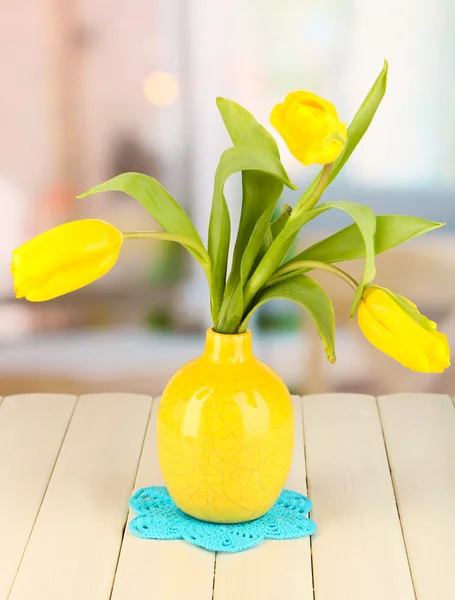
column 225, row 433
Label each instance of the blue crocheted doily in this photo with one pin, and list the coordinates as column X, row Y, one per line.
column 160, row 519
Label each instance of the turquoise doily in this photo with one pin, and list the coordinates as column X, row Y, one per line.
column 160, row 519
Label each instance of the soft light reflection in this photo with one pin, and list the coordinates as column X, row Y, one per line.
column 161, row 88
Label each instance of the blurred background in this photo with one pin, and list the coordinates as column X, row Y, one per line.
column 93, row 88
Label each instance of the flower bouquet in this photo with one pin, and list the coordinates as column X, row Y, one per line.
column 225, row 426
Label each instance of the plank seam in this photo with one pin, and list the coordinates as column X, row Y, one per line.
column 307, row 489
column 44, row 496
column 392, row 478
column 214, row 575
column 134, row 485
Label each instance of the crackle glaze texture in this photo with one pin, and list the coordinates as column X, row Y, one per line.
column 225, row 433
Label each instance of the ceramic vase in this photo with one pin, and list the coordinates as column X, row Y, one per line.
column 225, row 433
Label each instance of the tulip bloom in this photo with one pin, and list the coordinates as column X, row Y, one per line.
column 310, row 127
column 65, row 259
column 395, row 326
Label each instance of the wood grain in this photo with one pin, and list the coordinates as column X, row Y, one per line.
column 274, row 569
column 64, row 503
column 73, row 550
column 167, row 569
column 358, row 550
column 419, row 430
column 32, row 428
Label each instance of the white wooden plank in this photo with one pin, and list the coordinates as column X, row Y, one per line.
column 274, row 569
column 167, row 569
column 32, row 428
column 358, row 549
column 73, row 550
column 419, row 430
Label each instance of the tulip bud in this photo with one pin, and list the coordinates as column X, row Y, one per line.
column 65, row 259
column 310, row 127
column 394, row 325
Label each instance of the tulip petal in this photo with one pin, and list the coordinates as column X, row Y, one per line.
column 74, row 277
column 440, row 356
column 389, row 325
column 406, row 353
column 64, row 259
column 310, row 99
column 388, row 312
column 310, row 127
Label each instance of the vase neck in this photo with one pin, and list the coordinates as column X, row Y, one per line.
column 228, row 349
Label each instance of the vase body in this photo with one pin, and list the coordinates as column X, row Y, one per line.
column 225, row 433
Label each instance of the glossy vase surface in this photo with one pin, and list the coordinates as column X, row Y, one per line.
column 225, row 433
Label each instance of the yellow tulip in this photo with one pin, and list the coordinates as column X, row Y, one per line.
column 64, row 259
column 310, row 127
column 405, row 335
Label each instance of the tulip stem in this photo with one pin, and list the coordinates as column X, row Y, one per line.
column 312, row 195
column 139, row 235
column 169, row 237
column 282, row 243
column 196, row 249
column 308, row 265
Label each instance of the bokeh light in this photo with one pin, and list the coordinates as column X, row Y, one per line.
column 161, row 88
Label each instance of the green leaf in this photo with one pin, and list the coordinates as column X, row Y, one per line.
column 362, row 119
column 348, row 244
column 271, row 233
column 233, row 160
column 307, row 293
column 362, row 215
column 366, row 222
column 260, row 192
column 243, row 128
column 163, row 208
column 254, row 245
column 266, row 243
column 262, row 185
column 278, row 224
column 356, row 130
column 232, row 309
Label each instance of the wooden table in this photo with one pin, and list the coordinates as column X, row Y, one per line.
column 385, row 511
